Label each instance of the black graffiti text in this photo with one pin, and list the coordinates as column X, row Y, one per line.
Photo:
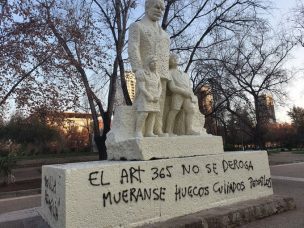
column 262, row 181
column 188, row 169
column 226, row 187
column 97, row 179
column 52, row 204
column 190, row 191
column 50, row 183
column 236, row 165
column 131, row 175
column 161, row 173
column 212, row 168
column 134, row 195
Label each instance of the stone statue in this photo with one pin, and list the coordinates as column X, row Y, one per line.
column 146, row 38
column 182, row 98
column 159, row 98
column 147, row 99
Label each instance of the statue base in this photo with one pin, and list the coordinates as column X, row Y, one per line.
column 164, row 147
column 122, row 144
column 133, row 193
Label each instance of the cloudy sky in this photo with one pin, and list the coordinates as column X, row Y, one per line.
column 295, row 88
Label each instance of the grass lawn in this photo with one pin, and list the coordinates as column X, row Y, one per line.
column 279, row 150
column 298, row 152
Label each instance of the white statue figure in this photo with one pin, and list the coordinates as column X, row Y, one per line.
column 147, row 98
column 146, row 38
column 182, row 98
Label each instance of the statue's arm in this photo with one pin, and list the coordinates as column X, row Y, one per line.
column 134, row 47
column 177, row 90
column 143, row 90
column 193, row 97
column 159, row 88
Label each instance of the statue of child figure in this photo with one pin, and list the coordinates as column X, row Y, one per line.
column 147, row 99
column 182, row 98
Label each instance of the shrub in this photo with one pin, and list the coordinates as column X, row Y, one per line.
column 7, row 163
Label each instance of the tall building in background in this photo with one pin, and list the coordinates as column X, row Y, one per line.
column 266, row 108
column 131, row 84
column 205, row 100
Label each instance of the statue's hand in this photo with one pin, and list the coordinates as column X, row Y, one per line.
column 150, row 98
column 156, row 99
column 194, row 99
column 140, row 74
column 187, row 94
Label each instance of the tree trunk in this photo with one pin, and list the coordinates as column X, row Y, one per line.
column 89, row 92
column 259, row 132
column 102, row 140
column 123, row 83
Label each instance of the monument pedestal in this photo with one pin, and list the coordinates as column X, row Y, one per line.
column 165, row 147
column 122, row 144
column 133, row 193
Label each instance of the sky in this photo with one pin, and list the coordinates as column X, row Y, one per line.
column 295, row 88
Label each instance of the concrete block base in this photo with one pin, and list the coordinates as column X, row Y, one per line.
column 234, row 215
column 134, row 193
column 123, row 145
column 165, row 147
column 229, row 216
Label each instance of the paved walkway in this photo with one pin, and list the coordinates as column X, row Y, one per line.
column 19, row 203
column 288, row 180
column 285, row 158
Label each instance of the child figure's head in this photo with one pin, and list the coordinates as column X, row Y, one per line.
column 151, row 63
column 173, row 61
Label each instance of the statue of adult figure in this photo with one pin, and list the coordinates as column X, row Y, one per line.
column 146, row 37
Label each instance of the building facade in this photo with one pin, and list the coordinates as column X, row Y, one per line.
column 131, row 84
column 266, row 108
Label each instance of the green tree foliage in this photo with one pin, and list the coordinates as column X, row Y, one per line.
column 31, row 130
column 7, row 163
column 31, row 134
column 52, row 50
column 281, row 136
column 297, row 116
column 298, row 21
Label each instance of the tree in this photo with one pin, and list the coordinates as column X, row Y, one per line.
column 282, row 135
column 28, row 130
column 7, row 163
column 298, row 22
column 30, row 60
column 251, row 66
column 114, row 19
column 70, row 32
column 203, row 29
column 196, row 27
column 28, row 135
column 73, row 40
column 297, row 116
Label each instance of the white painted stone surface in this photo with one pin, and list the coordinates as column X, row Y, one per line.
column 121, row 141
column 147, row 38
column 81, row 192
column 169, row 147
column 182, row 99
